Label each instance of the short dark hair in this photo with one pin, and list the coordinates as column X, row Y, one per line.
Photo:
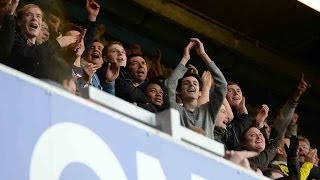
column 243, row 135
column 134, row 55
column 188, row 74
column 155, row 81
column 56, row 69
column 72, row 27
column 232, row 83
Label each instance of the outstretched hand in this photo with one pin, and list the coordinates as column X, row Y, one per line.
column 112, row 71
column 242, row 106
column 93, row 9
column 80, row 39
column 198, row 46
column 207, row 79
column 311, row 156
column 89, row 70
column 65, row 41
column 262, row 115
column 192, row 69
column 302, row 87
column 186, row 52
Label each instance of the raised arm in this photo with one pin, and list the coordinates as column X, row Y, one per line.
column 93, row 9
column 229, row 110
column 112, row 74
column 220, row 87
column 54, row 24
column 205, row 90
column 284, row 118
column 7, row 30
column 262, row 160
column 262, row 116
column 178, row 72
column 292, row 160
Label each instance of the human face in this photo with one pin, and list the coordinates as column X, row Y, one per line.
column 190, row 89
column 222, row 117
column 44, row 33
column 117, row 53
column 154, row 94
column 30, row 23
column 254, row 140
column 234, row 95
column 138, row 69
column 303, row 150
column 95, row 54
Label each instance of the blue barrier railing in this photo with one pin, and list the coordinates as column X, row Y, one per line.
column 49, row 134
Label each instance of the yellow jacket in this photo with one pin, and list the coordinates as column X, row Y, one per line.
column 304, row 170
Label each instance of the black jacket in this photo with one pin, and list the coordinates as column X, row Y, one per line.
column 6, row 37
column 314, row 173
column 235, row 129
column 29, row 59
column 125, row 89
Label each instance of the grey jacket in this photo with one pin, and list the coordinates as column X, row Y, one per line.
column 203, row 116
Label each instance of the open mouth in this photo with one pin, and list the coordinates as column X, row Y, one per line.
column 192, row 89
column 225, row 122
column 140, row 72
column 236, row 98
column 33, row 26
column 258, row 141
column 159, row 100
column 95, row 55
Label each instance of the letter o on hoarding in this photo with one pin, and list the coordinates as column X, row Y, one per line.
column 66, row 143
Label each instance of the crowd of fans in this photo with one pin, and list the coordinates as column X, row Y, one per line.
column 30, row 41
